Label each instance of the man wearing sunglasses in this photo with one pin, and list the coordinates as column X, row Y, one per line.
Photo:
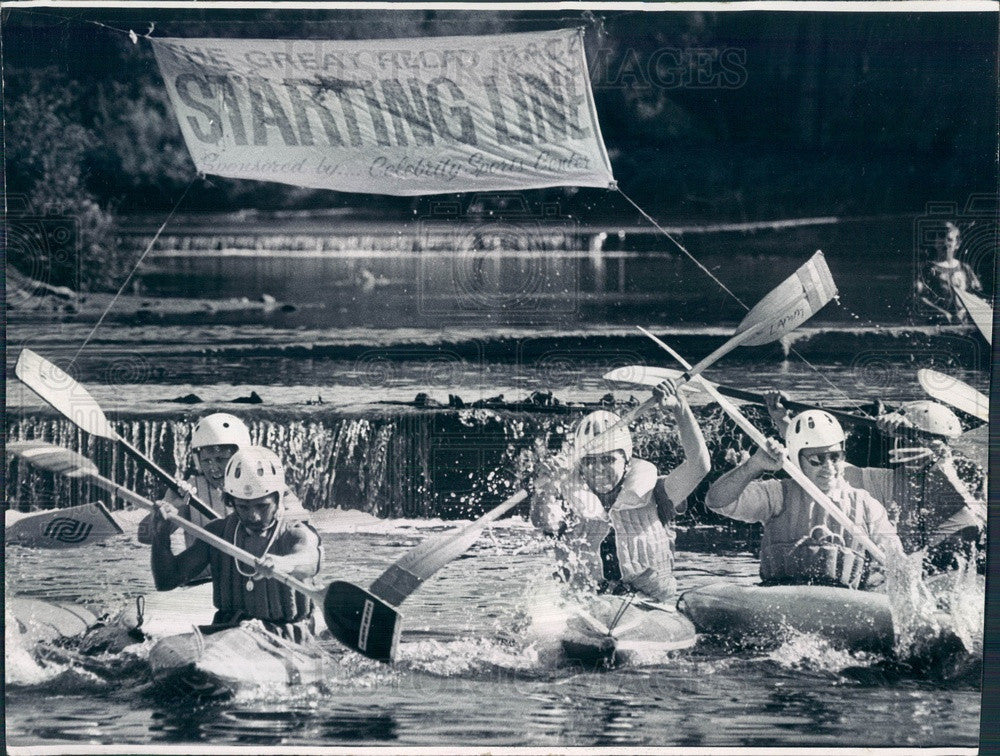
column 801, row 542
column 935, row 495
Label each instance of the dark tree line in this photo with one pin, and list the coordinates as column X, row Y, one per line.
column 706, row 116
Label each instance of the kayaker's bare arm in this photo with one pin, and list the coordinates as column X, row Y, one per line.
column 303, row 559
column 727, row 489
column 171, row 570
column 684, row 478
column 780, row 416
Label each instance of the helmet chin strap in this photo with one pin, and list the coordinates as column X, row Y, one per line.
column 908, row 454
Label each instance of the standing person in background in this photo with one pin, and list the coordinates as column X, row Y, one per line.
column 939, row 278
column 613, row 519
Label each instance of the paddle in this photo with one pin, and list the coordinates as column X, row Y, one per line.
column 422, row 561
column 787, row 306
column 783, row 309
column 74, row 402
column 954, row 392
column 361, row 621
column 979, row 310
column 793, row 470
column 643, row 375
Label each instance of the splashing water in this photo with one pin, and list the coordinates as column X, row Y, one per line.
column 938, row 622
column 20, row 665
column 808, row 652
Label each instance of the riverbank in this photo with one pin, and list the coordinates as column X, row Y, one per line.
column 33, row 301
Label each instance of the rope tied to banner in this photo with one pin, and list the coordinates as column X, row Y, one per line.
column 742, row 304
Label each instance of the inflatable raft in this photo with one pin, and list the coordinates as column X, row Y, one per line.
column 233, row 660
column 612, row 631
column 37, row 621
column 759, row 615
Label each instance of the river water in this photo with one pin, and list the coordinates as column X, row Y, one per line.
column 466, row 676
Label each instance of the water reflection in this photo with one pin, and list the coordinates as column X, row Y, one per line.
column 571, row 280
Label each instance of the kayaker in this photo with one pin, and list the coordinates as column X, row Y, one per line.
column 801, row 542
column 934, row 494
column 214, row 439
column 614, row 519
column 254, row 485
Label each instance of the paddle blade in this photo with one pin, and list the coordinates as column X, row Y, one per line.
column 362, row 621
column 52, row 458
column 792, row 302
column 643, row 375
column 955, row 393
column 980, row 311
column 63, row 528
column 64, row 393
column 423, row 560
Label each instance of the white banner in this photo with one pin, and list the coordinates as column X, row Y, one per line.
column 392, row 116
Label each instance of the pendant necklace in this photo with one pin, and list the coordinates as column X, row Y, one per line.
column 270, row 542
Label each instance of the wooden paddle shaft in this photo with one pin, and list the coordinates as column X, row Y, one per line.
column 169, row 479
column 690, row 374
column 793, row 470
column 751, row 396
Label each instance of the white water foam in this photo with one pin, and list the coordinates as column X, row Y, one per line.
column 813, row 653
column 946, row 607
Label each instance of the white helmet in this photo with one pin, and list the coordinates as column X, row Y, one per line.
column 812, row 429
column 930, row 417
column 220, row 429
column 593, row 425
column 254, row 472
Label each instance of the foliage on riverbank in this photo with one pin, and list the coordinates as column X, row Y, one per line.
column 849, row 114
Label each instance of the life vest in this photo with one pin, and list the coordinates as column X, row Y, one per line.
column 208, row 495
column 782, row 556
column 918, row 502
column 642, row 541
column 270, row 601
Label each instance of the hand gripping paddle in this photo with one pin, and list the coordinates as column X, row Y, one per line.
column 68, row 397
column 363, row 620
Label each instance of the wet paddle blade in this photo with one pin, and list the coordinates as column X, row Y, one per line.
column 792, row 302
column 643, row 375
column 64, row 393
column 955, row 393
column 980, row 311
column 52, row 458
column 362, row 621
column 423, row 560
